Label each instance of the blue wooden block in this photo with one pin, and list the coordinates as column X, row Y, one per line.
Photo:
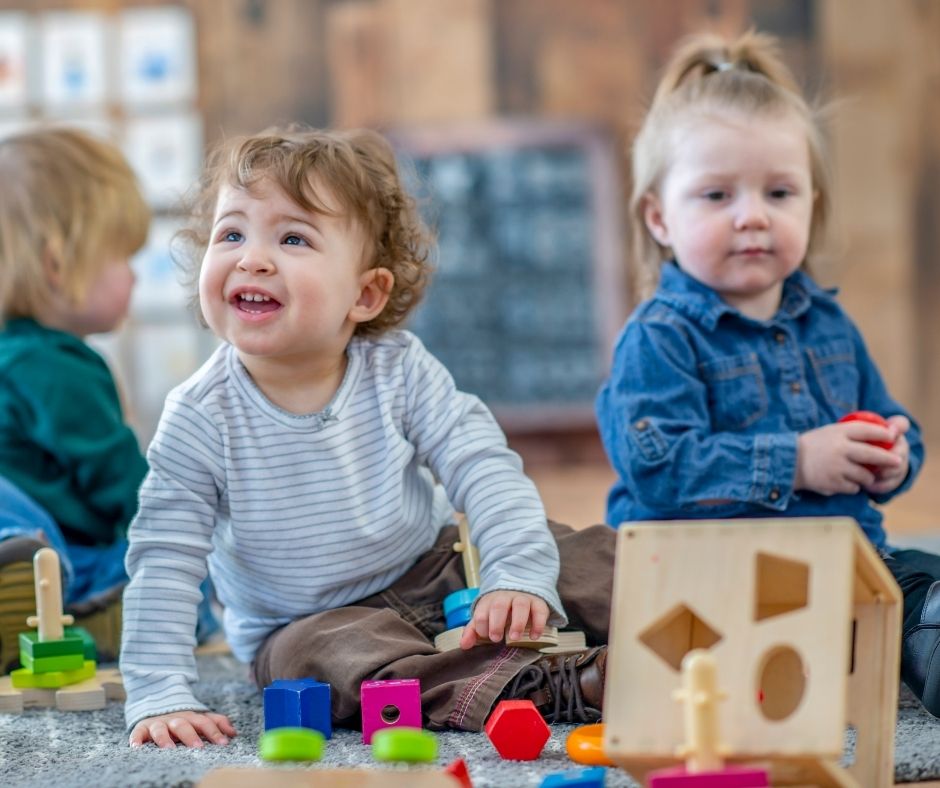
column 592, row 777
column 298, row 703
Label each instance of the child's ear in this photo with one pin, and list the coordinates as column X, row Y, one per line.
column 52, row 267
column 375, row 286
column 653, row 216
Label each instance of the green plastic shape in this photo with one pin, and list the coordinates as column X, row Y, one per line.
column 406, row 745
column 75, row 640
column 291, row 744
column 52, row 664
column 24, row 678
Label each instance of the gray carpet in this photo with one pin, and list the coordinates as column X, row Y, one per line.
column 50, row 748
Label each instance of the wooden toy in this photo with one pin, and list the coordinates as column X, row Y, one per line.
column 517, row 730
column 803, row 620
column 703, row 748
column 47, row 576
column 551, row 639
column 47, row 680
column 457, row 768
column 469, row 553
column 252, row 777
column 404, row 745
column 298, row 703
column 586, row 745
column 291, row 744
column 93, row 693
column 585, row 778
column 459, row 604
column 389, row 704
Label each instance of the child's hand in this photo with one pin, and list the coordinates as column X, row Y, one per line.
column 831, row 460
column 496, row 609
column 187, row 727
column 890, row 477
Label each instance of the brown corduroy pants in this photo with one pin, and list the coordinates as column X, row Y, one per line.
column 390, row 635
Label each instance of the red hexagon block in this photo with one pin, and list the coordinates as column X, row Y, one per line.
column 517, row 730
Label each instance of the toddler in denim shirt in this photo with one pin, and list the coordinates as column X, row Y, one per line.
column 728, row 383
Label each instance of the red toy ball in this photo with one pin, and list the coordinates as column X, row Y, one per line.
column 871, row 418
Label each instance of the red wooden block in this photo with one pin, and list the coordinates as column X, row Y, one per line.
column 458, row 768
column 517, row 730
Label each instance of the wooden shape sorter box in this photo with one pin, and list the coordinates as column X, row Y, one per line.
column 803, row 620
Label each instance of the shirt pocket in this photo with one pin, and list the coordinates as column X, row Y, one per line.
column 737, row 395
column 836, row 371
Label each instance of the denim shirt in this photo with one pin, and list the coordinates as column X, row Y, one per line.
column 703, row 406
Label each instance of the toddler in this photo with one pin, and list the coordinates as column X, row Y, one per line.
column 71, row 214
column 313, row 464
column 728, row 383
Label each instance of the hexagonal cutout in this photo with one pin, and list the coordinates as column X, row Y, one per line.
column 676, row 634
column 782, row 586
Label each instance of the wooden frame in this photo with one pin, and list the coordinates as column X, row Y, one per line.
column 607, row 269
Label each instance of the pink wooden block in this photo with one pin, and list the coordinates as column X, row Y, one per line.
column 728, row 777
column 389, row 704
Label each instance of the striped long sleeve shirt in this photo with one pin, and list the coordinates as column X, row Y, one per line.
column 293, row 515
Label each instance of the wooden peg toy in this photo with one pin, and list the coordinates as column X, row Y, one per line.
column 471, row 557
column 48, row 578
column 703, row 750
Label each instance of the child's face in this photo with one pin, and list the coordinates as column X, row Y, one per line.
column 736, row 206
column 105, row 302
column 278, row 281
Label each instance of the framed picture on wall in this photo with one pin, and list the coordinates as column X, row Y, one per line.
column 156, row 56
column 15, row 32
column 166, row 152
column 74, row 50
column 529, row 290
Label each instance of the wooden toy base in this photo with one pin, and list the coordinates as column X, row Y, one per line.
column 248, row 777
column 86, row 695
column 551, row 642
column 803, row 772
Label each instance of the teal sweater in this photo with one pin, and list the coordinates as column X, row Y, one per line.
column 63, row 440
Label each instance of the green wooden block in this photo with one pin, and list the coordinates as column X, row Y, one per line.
column 52, row 664
column 36, row 649
column 408, row 745
column 24, row 678
column 291, row 744
column 90, row 648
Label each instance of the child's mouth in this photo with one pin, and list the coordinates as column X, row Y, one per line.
column 255, row 303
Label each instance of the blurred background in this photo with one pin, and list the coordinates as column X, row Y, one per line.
column 513, row 120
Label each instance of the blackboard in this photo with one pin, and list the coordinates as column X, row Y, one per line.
column 528, row 291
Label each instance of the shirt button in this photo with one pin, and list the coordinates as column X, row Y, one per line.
column 796, row 387
column 780, row 337
column 641, row 425
column 774, row 494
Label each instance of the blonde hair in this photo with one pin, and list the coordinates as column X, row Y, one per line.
column 358, row 168
column 710, row 74
column 68, row 196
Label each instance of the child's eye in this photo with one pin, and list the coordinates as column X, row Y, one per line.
column 715, row 195
column 780, row 194
column 231, row 236
column 294, row 240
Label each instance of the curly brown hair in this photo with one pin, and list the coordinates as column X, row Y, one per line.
column 357, row 167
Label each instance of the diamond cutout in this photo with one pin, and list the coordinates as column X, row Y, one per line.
column 782, row 586
column 676, row 634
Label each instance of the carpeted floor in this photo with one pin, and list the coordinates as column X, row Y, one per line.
column 44, row 748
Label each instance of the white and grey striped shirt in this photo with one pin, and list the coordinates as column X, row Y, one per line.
column 300, row 514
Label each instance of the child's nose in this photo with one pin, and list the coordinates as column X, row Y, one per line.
column 752, row 213
column 255, row 261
